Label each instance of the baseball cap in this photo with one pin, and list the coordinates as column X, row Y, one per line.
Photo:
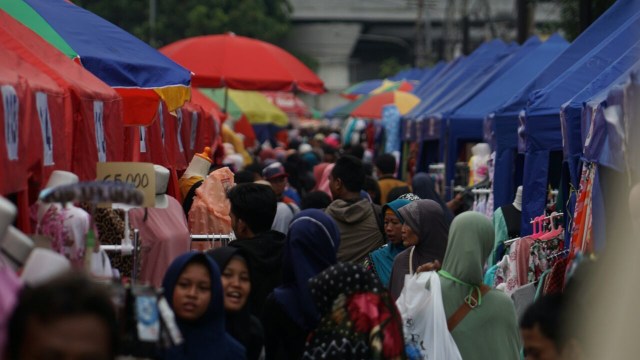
column 273, row 171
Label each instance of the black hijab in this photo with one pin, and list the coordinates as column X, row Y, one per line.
column 243, row 326
column 424, row 187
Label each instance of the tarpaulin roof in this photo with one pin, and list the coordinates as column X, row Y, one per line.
column 409, row 74
column 574, row 135
column 139, row 72
column 505, row 119
column 542, row 121
column 466, row 122
column 93, row 129
column 485, row 56
column 438, row 74
column 21, row 139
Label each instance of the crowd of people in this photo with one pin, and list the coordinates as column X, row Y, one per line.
column 318, row 262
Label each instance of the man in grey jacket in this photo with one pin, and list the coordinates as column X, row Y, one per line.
column 360, row 232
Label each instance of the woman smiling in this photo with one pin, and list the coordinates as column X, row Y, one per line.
column 236, row 283
column 194, row 291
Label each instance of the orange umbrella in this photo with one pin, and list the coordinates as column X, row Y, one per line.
column 371, row 107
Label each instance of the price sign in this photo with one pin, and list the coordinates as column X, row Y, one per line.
column 141, row 175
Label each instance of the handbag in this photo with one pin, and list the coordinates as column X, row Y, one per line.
column 424, row 320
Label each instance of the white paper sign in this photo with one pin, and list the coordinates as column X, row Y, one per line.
column 98, row 118
column 45, row 125
column 179, row 133
column 143, row 139
column 161, row 117
column 194, row 129
column 11, row 106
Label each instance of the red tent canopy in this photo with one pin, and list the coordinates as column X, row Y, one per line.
column 96, row 128
column 21, row 144
column 200, row 129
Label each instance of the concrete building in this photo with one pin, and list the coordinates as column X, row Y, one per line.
column 351, row 38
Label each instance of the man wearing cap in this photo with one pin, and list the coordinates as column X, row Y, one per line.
column 287, row 207
column 277, row 177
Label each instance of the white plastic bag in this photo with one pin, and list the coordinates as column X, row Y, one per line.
column 424, row 322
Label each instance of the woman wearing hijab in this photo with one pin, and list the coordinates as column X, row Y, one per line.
column 424, row 187
column 194, row 292
column 236, row 285
column 380, row 261
column 290, row 314
column 359, row 321
column 424, row 233
column 489, row 330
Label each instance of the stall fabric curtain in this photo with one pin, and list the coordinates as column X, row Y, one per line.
column 534, row 193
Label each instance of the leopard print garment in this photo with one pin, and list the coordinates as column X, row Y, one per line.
column 110, row 227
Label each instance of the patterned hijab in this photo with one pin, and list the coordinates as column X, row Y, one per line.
column 359, row 318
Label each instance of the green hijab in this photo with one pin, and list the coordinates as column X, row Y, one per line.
column 490, row 331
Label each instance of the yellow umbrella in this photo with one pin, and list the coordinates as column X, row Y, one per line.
column 253, row 104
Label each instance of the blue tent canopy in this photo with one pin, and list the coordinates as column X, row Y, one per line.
column 505, row 119
column 482, row 58
column 454, row 131
column 430, row 79
column 542, row 122
column 573, row 135
column 429, row 74
column 466, row 122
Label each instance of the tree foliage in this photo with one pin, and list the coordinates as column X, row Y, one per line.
column 570, row 15
column 176, row 19
column 390, row 67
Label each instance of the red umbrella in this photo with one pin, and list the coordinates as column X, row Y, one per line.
column 242, row 63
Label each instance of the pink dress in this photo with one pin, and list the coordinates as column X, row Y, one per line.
column 164, row 236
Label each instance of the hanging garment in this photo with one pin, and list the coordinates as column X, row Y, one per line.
column 523, row 298
column 164, row 235
column 110, row 226
column 581, row 231
column 67, row 227
column 209, row 213
column 555, row 283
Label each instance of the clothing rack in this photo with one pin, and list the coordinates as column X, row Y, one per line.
column 552, row 216
column 128, row 247
column 511, row 241
column 559, row 254
column 481, row 191
column 224, row 239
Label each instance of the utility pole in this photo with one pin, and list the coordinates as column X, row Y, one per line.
column 465, row 25
column 525, row 19
column 585, row 14
column 447, row 35
column 428, row 49
column 152, row 22
column 421, row 58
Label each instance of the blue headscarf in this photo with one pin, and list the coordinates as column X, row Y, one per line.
column 206, row 337
column 312, row 244
column 382, row 258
